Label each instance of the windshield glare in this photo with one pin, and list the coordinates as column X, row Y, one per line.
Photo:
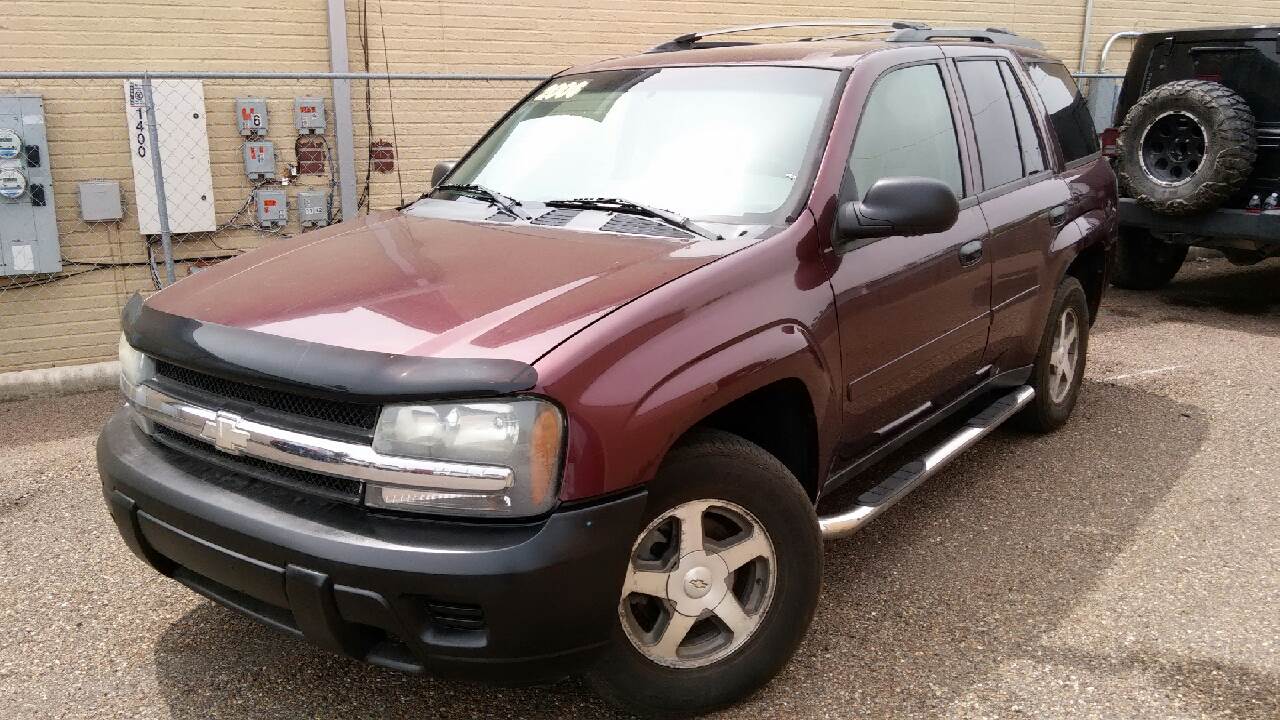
column 725, row 144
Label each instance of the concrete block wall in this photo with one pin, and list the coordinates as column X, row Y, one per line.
column 74, row 320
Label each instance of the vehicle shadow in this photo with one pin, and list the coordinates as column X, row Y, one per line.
column 1212, row 292
column 976, row 568
column 973, row 569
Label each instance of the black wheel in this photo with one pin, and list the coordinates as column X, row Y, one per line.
column 1059, row 365
column 1187, row 146
column 1144, row 262
column 721, row 583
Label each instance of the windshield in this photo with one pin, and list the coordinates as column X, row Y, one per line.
column 727, row 144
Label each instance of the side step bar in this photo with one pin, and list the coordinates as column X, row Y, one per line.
column 881, row 497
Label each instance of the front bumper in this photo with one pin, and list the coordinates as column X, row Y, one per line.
column 489, row 601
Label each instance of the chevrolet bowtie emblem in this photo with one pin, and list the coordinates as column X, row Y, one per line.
column 225, row 433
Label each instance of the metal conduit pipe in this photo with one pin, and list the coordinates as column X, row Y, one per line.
column 1106, row 48
column 1084, row 35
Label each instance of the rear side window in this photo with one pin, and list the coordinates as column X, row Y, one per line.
column 1028, row 138
column 1068, row 115
column 993, row 124
column 907, row 130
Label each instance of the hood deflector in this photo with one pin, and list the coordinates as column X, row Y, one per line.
column 314, row 369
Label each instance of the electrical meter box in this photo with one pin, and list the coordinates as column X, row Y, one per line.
column 313, row 208
column 308, row 115
column 28, row 229
column 272, row 207
column 259, row 159
column 251, row 116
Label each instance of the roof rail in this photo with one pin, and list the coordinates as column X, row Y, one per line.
column 899, row 31
column 687, row 41
column 998, row 36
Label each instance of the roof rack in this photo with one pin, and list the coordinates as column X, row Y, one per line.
column 687, row 41
column 899, row 31
column 997, row 36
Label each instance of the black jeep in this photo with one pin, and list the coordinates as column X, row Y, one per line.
column 1198, row 150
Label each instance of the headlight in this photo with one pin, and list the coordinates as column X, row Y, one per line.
column 522, row 437
column 134, row 366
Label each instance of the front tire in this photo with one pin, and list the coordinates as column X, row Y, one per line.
column 1059, row 366
column 721, row 584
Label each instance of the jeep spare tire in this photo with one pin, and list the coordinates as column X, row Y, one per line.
column 1187, row 146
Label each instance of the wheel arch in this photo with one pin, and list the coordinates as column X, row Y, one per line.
column 780, row 418
column 774, row 390
column 1090, row 266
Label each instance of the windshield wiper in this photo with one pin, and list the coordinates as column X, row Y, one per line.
column 508, row 205
column 634, row 208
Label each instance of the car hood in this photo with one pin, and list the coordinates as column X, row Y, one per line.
column 399, row 284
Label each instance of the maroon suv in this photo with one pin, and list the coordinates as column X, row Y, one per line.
column 573, row 408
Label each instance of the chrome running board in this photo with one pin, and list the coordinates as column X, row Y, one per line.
column 875, row 501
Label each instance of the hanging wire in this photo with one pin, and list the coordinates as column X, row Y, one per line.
column 395, row 139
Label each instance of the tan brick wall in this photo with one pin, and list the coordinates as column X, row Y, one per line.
column 74, row 320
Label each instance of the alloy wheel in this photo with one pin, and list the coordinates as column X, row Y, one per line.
column 1173, row 149
column 1064, row 355
column 699, row 583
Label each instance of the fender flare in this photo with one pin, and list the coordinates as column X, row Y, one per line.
column 781, row 351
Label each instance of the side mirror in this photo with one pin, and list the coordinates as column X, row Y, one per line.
column 441, row 169
column 898, row 206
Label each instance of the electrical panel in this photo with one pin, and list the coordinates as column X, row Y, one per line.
column 183, row 153
column 100, row 201
column 251, row 116
column 313, row 208
column 28, row 228
column 259, row 159
column 272, row 207
column 308, row 115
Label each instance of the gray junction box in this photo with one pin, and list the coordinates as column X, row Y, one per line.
column 259, row 159
column 308, row 115
column 100, row 201
column 272, row 207
column 28, row 225
column 313, row 208
column 251, row 116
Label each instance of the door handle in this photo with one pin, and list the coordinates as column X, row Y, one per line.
column 1058, row 216
column 971, row 253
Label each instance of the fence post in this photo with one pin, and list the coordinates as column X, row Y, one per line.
column 343, row 120
column 157, row 170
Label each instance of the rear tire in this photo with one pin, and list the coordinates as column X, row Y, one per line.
column 1144, row 262
column 1059, row 367
column 745, row 497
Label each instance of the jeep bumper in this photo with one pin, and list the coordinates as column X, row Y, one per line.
column 489, row 601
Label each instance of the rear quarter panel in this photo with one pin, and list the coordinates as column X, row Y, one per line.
column 1093, row 206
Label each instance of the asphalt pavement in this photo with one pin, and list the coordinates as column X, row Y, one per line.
column 1127, row 566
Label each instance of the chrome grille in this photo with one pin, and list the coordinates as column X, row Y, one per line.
column 334, row 488
column 356, row 415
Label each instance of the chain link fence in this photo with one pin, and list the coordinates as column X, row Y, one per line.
column 137, row 181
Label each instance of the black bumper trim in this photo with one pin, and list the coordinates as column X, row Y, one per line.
column 1216, row 224
column 540, row 599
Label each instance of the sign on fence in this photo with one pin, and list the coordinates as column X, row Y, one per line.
column 184, row 156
